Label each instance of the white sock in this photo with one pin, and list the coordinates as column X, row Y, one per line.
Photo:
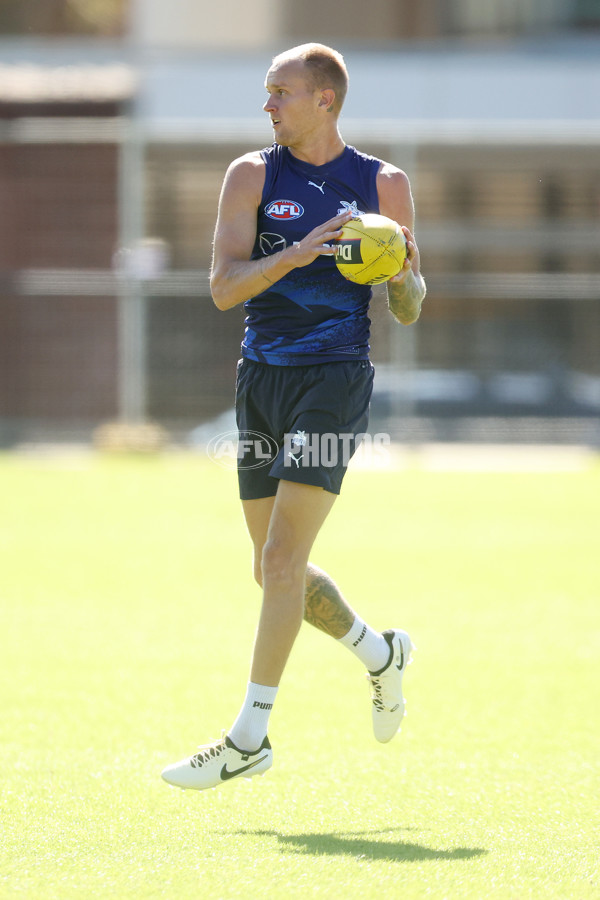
column 250, row 728
column 370, row 646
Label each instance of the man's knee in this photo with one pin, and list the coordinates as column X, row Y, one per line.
column 281, row 564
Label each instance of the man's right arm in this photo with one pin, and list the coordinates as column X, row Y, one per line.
column 234, row 277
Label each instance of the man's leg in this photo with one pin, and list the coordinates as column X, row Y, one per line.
column 324, row 605
column 296, row 517
column 283, row 530
column 298, row 513
column 385, row 655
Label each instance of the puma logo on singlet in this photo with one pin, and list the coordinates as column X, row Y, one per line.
column 319, row 187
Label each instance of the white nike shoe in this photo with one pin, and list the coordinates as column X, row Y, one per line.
column 386, row 687
column 217, row 763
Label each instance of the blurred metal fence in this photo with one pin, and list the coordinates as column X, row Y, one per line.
column 105, row 311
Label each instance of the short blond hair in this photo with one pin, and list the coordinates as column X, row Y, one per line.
column 325, row 68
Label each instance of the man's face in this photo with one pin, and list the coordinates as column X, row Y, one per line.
column 292, row 104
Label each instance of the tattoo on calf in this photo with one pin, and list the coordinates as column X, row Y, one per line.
column 324, row 606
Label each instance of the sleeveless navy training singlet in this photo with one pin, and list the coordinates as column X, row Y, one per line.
column 313, row 314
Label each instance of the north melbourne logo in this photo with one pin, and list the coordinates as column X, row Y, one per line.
column 284, row 209
column 298, row 441
column 350, row 207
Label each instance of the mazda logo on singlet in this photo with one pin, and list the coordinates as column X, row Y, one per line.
column 270, row 243
column 284, row 209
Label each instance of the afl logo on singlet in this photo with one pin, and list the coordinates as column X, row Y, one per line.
column 284, row 209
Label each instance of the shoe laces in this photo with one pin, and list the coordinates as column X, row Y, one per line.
column 376, row 692
column 207, row 752
column 386, row 681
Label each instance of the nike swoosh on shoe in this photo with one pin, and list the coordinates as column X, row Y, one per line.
column 226, row 774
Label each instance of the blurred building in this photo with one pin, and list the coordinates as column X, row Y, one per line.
column 266, row 22
column 118, row 120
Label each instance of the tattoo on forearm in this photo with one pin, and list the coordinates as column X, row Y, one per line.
column 404, row 300
column 324, row 606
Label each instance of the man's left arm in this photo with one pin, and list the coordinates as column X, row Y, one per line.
column 406, row 290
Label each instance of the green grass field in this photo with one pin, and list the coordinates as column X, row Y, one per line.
column 128, row 615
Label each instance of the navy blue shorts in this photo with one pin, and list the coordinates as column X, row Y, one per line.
column 299, row 423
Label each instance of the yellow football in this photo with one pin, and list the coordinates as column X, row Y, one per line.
column 372, row 249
